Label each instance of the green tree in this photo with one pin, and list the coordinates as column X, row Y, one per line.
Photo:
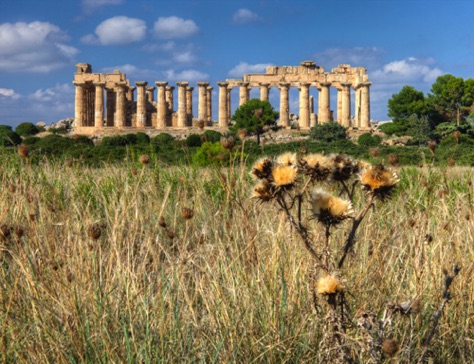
column 401, row 106
column 254, row 116
column 328, row 132
column 26, row 129
column 419, row 127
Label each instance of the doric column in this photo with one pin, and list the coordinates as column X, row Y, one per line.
column 324, row 103
column 170, row 99
column 99, row 105
column 162, row 107
column 129, row 94
column 365, row 105
column 209, row 103
column 264, row 90
column 223, row 112
column 345, row 118
column 119, row 120
column 79, row 104
column 182, row 103
column 229, row 113
column 141, row 103
column 189, row 100
column 312, row 115
column 339, row 105
column 202, row 103
column 243, row 93
column 284, row 105
column 150, row 93
column 304, row 105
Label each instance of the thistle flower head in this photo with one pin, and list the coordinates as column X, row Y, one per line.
column 329, row 285
column 144, row 159
column 329, row 209
column 262, row 169
column 343, row 167
column 287, row 159
column 263, row 191
column 187, row 213
column 390, row 347
column 379, row 181
column 317, row 166
column 284, row 176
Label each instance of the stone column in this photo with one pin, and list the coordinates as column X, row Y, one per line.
column 229, row 112
column 182, row 103
column 284, row 105
column 202, row 103
column 141, row 103
column 170, row 99
column 324, row 103
column 209, row 103
column 189, row 101
column 223, row 112
column 243, row 93
column 312, row 115
column 79, row 104
column 119, row 119
column 99, row 105
column 304, row 105
column 264, row 90
column 110, row 105
column 339, row 105
column 162, row 107
column 357, row 108
column 150, row 93
column 129, row 94
column 365, row 105
column 345, row 118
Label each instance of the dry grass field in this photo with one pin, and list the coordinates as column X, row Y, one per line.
column 140, row 263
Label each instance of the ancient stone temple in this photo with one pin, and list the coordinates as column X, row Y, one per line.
column 121, row 110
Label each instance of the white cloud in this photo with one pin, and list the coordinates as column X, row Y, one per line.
column 244, row 67
column 186, row 75
column 117, row 30
column 90, row 5
column 173, row 27
column 34, row 47
column 9, row 93
column 408, row 70
column 245, row 16
column 186, row 57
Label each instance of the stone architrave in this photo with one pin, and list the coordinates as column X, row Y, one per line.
column 99, row 105
column 119, row 120
column 202, row 103
column 162, row 107
column 79, row 104
column 324, row 114
column 284, row 104
column 223, row 111
column 264, row 91
column 170, row 98
column 150, row 93
column 189, row 100
column 209, row 103
column 345, row 119
column 304, row 105
column 365, row 105
column 141, row 103
column 182, row 103
column 244, row 93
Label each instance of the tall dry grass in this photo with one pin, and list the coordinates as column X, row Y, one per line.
column 230, row 284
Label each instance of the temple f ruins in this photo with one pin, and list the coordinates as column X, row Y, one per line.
column 121, row 110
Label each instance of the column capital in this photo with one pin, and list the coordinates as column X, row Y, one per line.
column 244, row 84
column 182, row 84
column 264, row 84
column 99, row 84
column 202, row 84
column 121, row 84
column 150, row 88
column 132, row 88
column 210, row 88
column 305, row 84
column 189, row 88
column 141, row 83
column 77, row 83
column 161, row 83
column 223, row 84
column 362, row 84
column 170, row 88
column 325, row 84
column 346, row 84
column 284, row 84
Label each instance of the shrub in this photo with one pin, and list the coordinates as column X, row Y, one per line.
column 8, row 137
column 328, row 132
column 54, row 144
column 369, row 140
column 193, row 140
column 119, row 140
column 142, row 138
column 26, row 129
column 210, row 154
column 162, row 139
column 31, row 140
column 211, row 136
column 82, row 139
column 393, row 129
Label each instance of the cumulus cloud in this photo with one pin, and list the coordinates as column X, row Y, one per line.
column 173, row 27
column 9, row 93
column 186, row 57
column 34, row 47
column 117, row 30
column 245, row 16
column 407, row 70
column 244, row 67
column 186, row 75
column 90, row 5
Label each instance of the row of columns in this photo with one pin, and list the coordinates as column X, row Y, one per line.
column 145, row 94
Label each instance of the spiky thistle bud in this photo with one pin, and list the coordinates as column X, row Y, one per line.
column 144, row 159
column 94, row 231
column 187, row 213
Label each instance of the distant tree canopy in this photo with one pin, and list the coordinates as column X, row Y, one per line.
column 253, row 116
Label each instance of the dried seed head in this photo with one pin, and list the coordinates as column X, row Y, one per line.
column 19, row 231
column 187, row 213
column 284, row 176
column 228, row 142
column 317, row 166
column 242, row 133
column 392, row 159
column 329, row 285
column 456, row 135
column 23, row 151
column 161, row 221
column 451, row 162
column 263, row 191
column 287, row 159
column 170, row 234
column 12, row 188
column 374, row 152
column 94, row 231
column 68, row 162
column 343, row 167
column 432, row 146
column 134, row 172
column 144, row 159
column 390, row 347
column 5, row 231
column 262, row 168
column 379, row 181
column 329, row 209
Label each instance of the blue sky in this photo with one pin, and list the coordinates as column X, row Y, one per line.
column 400, row 42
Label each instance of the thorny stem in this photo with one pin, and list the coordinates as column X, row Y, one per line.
column 355, row 225
column 448, row 280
